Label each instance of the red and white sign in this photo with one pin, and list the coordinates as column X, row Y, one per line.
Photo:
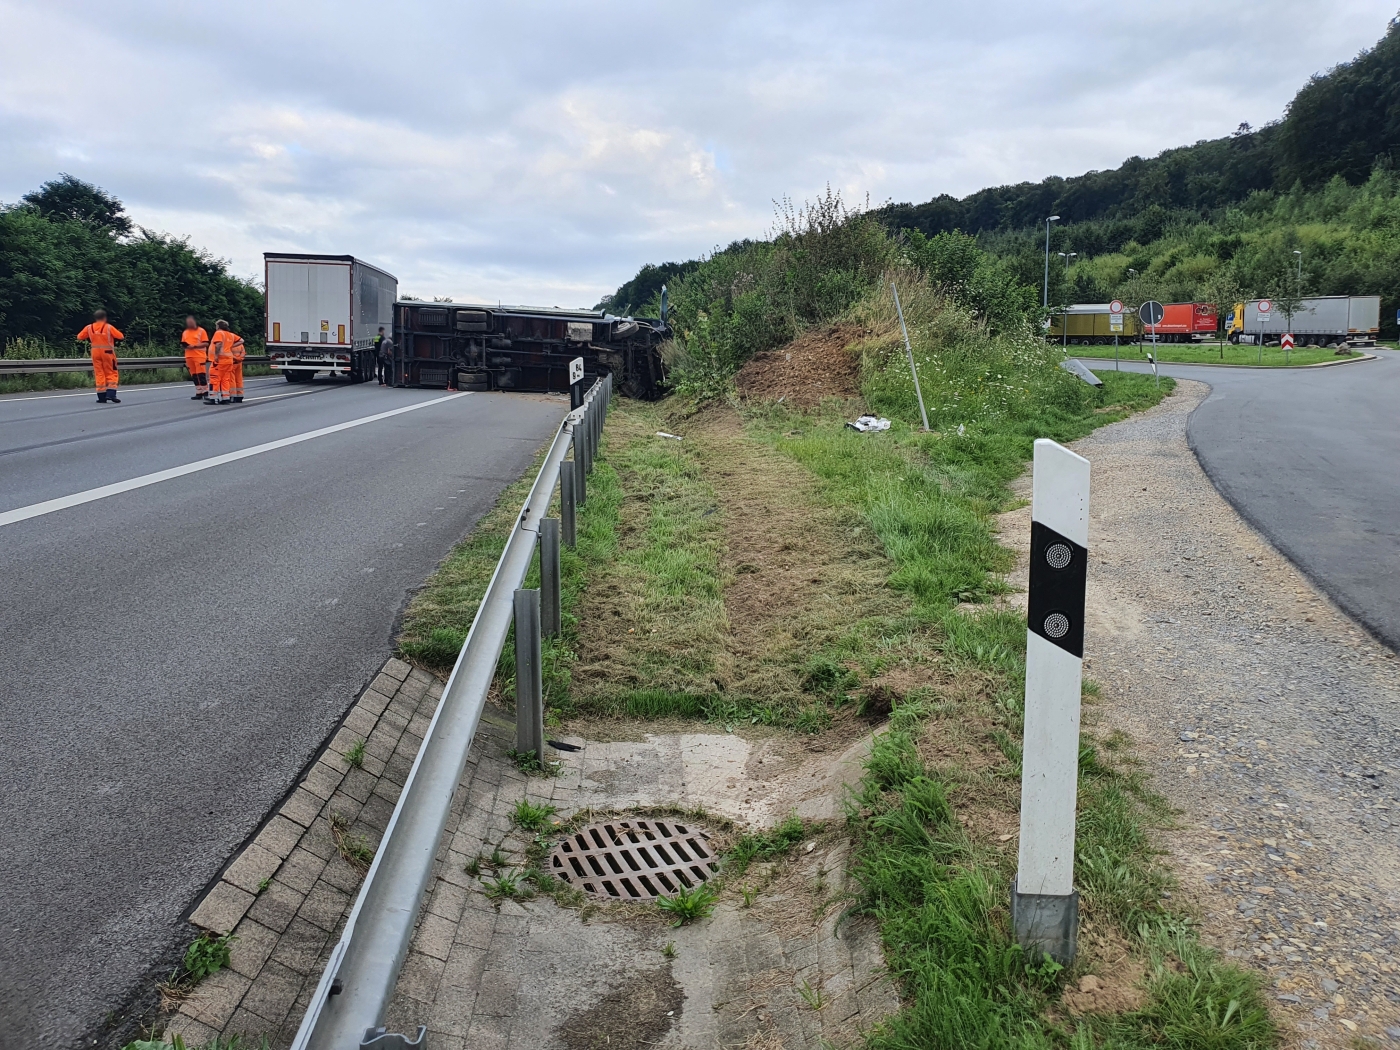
column 1265, row 306
column 1115, row 307
column 1286, row 343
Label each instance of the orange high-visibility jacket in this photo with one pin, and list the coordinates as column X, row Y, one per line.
column 196, row 342
column 101, row 335
column 226, row 345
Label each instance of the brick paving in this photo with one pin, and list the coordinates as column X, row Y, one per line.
column 510, row 974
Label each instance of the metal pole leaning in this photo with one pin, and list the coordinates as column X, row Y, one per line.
column 551, row 612
column 567, row 508
column 529, row 682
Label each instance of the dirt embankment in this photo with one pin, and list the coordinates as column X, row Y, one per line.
column 817, row 365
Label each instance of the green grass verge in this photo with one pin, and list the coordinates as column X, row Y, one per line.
column 939, row 892
column 1215, row 354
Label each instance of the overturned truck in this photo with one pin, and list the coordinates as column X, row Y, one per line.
column 465, row 346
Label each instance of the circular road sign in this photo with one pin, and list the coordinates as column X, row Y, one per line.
column 1115, row 307
column 1265, row 306
column 1151, row 312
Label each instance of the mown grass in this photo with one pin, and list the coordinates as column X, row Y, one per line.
column 1214, row 354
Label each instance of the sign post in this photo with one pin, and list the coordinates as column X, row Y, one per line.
column 1150, row 314
column 575, row 378
column 1044, row 904
column 1265, row 308
column 1115, row 325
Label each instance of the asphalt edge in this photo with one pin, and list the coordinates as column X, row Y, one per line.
column 1345, row 607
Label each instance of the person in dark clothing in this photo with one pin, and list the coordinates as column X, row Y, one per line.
column 384, row 354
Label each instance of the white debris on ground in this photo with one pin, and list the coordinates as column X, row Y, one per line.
column 867, row 424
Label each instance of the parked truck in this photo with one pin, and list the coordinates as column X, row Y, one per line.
column 1182, row 322
column 472, row 346
column 1087, row 324
column 1324, row 320
column 323, row 312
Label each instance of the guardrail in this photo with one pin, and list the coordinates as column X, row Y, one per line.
column 353, row 994
column 33, row 365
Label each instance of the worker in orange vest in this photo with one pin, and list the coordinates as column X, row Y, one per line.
column 226, row 353
column 101, row 336
column 196, row 342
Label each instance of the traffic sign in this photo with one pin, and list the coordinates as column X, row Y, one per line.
column 575, row 370
column 1115, row 307
column 1265, row 306
column 1151, row 312
column 1286, row 343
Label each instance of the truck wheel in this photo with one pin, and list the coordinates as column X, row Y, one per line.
column 290, row 376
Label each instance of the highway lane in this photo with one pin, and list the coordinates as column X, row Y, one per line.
column 1311, row 458
column 173, row 655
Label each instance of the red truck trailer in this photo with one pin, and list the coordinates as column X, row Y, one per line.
column 1182, row 322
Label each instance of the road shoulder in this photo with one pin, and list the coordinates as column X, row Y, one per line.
column 1263, row 713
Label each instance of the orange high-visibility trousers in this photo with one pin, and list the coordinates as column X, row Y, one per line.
column 235, row 369
column 104, row 369
column 222, row 378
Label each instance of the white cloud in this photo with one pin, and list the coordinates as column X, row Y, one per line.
column 542, row 151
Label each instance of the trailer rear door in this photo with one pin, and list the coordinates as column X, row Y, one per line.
column 308, row 302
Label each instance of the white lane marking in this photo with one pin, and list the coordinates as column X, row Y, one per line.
column 9, row 517
column 92, row 392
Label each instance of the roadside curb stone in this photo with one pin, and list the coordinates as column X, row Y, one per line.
column 285, row 896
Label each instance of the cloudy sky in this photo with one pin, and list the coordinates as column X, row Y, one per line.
column 541, row 152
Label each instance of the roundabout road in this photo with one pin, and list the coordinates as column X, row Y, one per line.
column 1311, row 458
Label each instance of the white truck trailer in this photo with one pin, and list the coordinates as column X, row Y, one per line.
column 323, row 312
column 1326, row 320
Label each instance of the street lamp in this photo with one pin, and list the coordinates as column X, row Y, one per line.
column 1048, row 221
column 1300, row 268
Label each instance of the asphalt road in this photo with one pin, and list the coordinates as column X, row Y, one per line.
column 174, row 654
column 1311, row 458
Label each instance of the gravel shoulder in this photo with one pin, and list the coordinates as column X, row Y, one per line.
column 1265, row 715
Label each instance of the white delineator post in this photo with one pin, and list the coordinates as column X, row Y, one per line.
column 1044, row 904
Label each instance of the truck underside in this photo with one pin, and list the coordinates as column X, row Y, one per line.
column 516, row 348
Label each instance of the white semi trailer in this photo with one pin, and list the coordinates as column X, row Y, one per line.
column 323, row 312
column 1325, row 320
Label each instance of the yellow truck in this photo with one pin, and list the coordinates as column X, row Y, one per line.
column 1085, row 324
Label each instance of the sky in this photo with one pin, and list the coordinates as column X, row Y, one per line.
column 541, row 152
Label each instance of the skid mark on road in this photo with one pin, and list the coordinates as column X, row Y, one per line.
column 34, row 510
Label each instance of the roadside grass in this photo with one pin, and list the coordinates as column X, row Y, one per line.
column 1214, row 354
column 935, row 818
column 917, row 632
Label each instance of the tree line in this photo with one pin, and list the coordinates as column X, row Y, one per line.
column 69, row 248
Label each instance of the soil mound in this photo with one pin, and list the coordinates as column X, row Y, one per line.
column 814, row 366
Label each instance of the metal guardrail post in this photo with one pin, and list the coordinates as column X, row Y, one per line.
column 568, row 509
column 551, row 606
column 529, row 685
column 580, row 467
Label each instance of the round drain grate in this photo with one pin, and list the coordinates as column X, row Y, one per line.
column 637, row 860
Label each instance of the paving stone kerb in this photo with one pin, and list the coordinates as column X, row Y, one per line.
column 285, row 896
column 517, row 975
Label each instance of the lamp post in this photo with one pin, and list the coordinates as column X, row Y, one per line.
column 1064, row 327
column 1300, row 269
column 1046, row 297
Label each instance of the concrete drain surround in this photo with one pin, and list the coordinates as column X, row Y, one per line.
column 636, row 860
